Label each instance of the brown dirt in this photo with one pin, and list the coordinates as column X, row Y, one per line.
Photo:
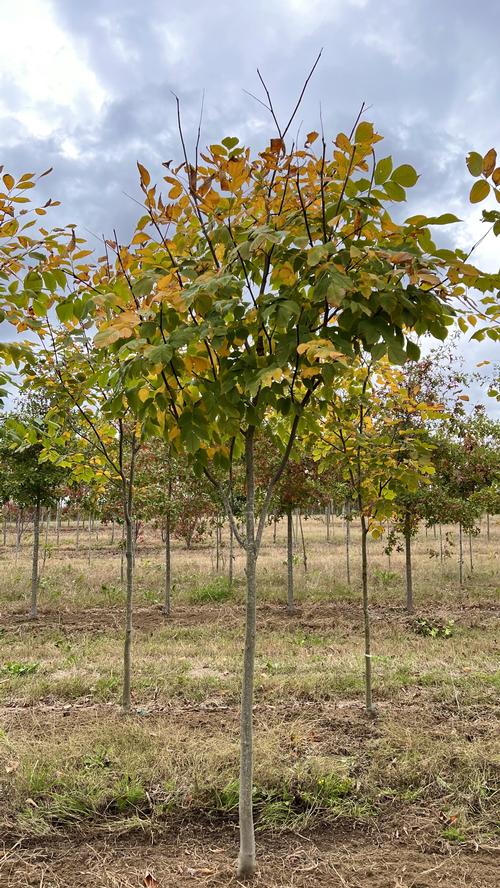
column 190, row 857
column 321, row 616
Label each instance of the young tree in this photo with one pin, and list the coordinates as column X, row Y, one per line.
column 26, row 480
column 242, row 293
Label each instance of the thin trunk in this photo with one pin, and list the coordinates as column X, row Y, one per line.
column 34, row 568
column 274, row 529
column 304, row 552
column 366, row 616
column 122, row 556
column 47, row 528
column 18, row 534
column 488, row 526
column 168, row 571
column 460, row 555
column 434, row 528
column 289, row 561
column 127, row 648
column 470, row 554
column 217, row 546
column 89, row 553
column 58, row 522
column 230, row 578
column 327, row 516
column 4, row 531
column 246, row 859
column 77, row 530
column 409, row 575
column 441, row 557
column 348, row 541
column 112, row 532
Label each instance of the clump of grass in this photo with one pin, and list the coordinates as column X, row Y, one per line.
column 20, row 668
column 215, row 590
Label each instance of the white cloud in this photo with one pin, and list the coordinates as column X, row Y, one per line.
column 40, row 64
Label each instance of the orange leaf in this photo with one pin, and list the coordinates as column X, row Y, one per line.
column 489, row 162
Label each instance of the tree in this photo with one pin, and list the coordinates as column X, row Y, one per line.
column 27, row 480
column 242, row 293
column 363, row 432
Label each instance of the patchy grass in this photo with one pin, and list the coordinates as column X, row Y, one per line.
column 430, row 758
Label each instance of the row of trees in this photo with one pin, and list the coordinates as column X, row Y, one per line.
column 263, row 295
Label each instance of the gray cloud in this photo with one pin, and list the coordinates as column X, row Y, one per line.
column 428, row 71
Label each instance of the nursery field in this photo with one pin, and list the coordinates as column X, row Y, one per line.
column 407, row 799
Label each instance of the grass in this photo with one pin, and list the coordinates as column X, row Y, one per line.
column 68, row 758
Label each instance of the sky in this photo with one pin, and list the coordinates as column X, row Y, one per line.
column 86, row 87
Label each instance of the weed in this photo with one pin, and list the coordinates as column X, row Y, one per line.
column 429, row 629
column 20, row 668
column 216, row 590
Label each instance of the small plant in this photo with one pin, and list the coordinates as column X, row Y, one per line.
column 151, row 596
column 128, row 794
column 453, row 834
column 20, row 668
column 430, row 629
column 213, row 591
column 385, row 577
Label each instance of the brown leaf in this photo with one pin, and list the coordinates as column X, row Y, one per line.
column 277, row 146
column 489, row 161
column 149, row 881
column 496, row 176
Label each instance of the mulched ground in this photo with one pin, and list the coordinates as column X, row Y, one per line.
column 206, row 857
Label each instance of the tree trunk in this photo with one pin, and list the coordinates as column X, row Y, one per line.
column 441, row 556
column 122, row 556
column 34, row 568
column 246, row 859
column 168, row 573
column 327, row 516
column 230, row 578
column 304, row 551
column 217, row 546
column 274, row 530
column 409, row 574
column 470, row 554
column 460, row 555
column 89, row 554
column 488, row 526
column 127, row 648
column 348, row 540
column 4, row 531
column 47, row 528
column 58, row 522
column 289, row 561
column 366, row 616
column 77, row 546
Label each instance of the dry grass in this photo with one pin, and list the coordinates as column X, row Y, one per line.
column 425, row 769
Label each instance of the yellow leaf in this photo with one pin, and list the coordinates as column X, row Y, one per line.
column 175, row 192
column 8, row 181
column 145, row 177
column 311, row 137
column 143, row 393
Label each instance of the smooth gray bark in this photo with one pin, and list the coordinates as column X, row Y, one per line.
column 348, row 540
column 408, row 566
column 168, row 567
column 34, row 566
column 366, row 617
column 246, row 859
column 460, row 555
column 289, row 561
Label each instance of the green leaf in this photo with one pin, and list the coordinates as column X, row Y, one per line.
column 474, row 163
column 230, row 142
column 405, row 175
column 395, row 191
column 64, row 311
column 479, row 191
column 383, row 170
column 364, row 132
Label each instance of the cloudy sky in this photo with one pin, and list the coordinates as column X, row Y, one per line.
column 86, row 87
